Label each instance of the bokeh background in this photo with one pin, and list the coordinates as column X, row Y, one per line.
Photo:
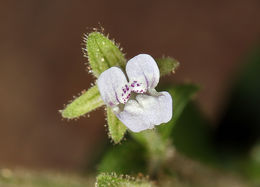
column 42, row 65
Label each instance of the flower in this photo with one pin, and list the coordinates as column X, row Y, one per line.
column 135, row 101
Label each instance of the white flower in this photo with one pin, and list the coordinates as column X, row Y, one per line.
column 135, row 101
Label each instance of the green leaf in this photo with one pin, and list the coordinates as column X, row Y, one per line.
column 116, row 128
column 192, row 135
column 150, row 139
column 127, row 158
column 103, row 53
column 85, row 103
column 181, row 95
column 113, row 180
column 167, row 65
column 155, row 147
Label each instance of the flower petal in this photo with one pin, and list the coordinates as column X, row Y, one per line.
column 165, row 105
column 133, row 117
column 143, row 73
column 146, row 111
column 112, row 85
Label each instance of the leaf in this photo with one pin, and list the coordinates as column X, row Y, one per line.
column 127, row 158
column 192, row 135
column 150, row 139
column 85, row 103
column 155, row 147
column 113, row 180
column 116, row 128
column 167, row 65
column 103, row 53
column 181, row 95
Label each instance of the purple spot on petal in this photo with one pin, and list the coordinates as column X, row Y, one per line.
column 110, row 103
column 138, row 84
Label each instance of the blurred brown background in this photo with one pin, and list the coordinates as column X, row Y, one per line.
column 42, row 66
